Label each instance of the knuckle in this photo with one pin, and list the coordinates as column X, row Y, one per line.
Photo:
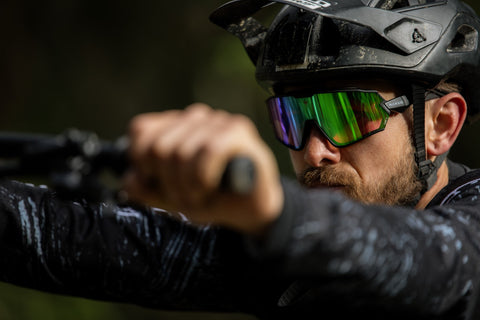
column 198, row 109
column 146, row 121
column 159, row 149
column 242, row 122
column 137, row 123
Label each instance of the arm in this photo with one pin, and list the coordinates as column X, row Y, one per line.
column 345, row 256
column 114, row 253
column 423, row 262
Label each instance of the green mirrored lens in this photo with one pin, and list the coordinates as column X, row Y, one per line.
column 344, row 117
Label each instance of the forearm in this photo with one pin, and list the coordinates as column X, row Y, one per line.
column 114, row 253
column 417, row 258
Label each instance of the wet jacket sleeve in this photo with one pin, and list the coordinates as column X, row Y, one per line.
column 118, row 254
column 347, row 254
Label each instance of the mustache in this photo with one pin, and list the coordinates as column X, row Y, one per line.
column 327, row 176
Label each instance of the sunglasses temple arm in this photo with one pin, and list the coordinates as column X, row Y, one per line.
column 398, row 105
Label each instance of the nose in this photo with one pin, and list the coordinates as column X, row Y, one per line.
column 319, row 151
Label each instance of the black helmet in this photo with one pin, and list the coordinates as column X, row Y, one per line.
column 423, row 41
column 419, row 42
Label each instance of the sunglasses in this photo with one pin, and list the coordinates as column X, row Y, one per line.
column 344, row 117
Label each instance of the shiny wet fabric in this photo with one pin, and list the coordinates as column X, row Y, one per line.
column 326, row 257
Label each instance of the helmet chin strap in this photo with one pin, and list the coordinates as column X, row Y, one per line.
column 427, row 170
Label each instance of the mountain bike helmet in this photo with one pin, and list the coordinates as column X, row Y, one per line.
column 419, row 42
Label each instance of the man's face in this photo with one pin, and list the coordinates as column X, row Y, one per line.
column 379, row 169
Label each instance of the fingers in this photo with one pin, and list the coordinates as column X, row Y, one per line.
column 181, row 151
column 179, row 157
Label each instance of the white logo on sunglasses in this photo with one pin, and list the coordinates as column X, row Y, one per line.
column 312, row 4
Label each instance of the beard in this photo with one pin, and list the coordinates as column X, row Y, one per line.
column 397, row 186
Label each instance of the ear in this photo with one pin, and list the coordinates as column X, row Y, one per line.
column 444, row 118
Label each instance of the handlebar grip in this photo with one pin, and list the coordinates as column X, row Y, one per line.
column 239, row 176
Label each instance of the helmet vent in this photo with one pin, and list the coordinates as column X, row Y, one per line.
column 466, row 40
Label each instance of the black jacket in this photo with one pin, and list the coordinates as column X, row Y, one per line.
column 326, row 257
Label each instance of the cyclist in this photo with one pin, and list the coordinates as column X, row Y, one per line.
column 369, row 96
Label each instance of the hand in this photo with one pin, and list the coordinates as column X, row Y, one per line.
column 178, row 158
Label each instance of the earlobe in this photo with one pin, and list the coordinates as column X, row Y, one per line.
column 445, row 117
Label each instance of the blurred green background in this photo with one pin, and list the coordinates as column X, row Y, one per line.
column 95, row 64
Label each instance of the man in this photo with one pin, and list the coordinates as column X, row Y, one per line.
column 327, row 65
column 369, row 96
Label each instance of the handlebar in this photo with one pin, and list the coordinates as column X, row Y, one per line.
column 73, row 161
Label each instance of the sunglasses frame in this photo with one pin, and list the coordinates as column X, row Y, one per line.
column 397, row 105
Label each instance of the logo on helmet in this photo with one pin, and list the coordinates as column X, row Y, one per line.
column 311, row 4
column 418, row 37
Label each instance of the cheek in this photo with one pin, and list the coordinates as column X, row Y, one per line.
column 370, row 163
column 381, row 152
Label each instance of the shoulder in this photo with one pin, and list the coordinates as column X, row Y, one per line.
column 465, row 188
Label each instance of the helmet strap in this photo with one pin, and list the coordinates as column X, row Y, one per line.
column 427, row 170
